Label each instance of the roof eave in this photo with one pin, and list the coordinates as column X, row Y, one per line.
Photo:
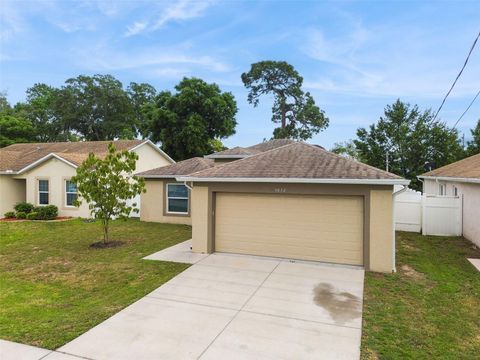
column 156, row 148
column 146, row 176
column 297, row 180
column 449, row 178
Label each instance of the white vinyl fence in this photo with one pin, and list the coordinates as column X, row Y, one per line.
column 428, row 214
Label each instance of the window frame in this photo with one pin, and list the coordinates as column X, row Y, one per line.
column 442, row 189
column 66, row 192
column 167, row 198
column 43, row 192
column 455, row 191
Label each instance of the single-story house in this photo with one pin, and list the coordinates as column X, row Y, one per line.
column 461, row 178
column 283, row 199
column 40, row 173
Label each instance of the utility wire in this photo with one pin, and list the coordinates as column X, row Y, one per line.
column 458, row 76
column 468, row 108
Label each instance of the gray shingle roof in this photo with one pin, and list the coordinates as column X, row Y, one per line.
column 465, row 168
column 184, row 167
column 297, row 160
column 241, row 152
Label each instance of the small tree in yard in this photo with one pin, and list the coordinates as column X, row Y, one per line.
column 106, row 185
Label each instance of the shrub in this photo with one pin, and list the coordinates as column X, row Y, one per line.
column 48, row 212
column 21, row 215
column 24, row 207
column 9, row 215
column 32, row 216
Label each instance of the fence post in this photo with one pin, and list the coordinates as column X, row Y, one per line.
column 423, row 220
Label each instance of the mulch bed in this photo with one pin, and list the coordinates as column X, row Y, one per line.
column 104, row 245
column 58, row 218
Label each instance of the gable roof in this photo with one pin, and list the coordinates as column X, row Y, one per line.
column 296, row 162
column 184, row 167
column 18, row 158
column 468, row 169
column 243, row 152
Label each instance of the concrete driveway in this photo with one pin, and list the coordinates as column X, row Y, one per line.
column 237, row 307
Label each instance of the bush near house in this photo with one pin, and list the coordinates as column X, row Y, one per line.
column 21, row 215
column 32, row 216
column 48, row 212
column 9, row 215
column 24, row 207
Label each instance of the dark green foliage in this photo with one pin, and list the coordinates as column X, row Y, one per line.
column 21, row 215
column 106, row 185
column 293, row 109
column 473, row 146
column 47, row 212
column 24, row 207
column 9, row 215
column 32, row 216
column 187, row 122
column 412, row 139
column 15, row 130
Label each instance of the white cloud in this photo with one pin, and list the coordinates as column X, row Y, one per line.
column 136, row 27
column 103, row 58
column 179, row 11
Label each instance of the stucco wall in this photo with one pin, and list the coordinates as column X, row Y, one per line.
column 378, row 222
column 471, row 211
column 153, row 204
column 12, row 191
column 149, row 158
column 57, row 172
column 381, row 231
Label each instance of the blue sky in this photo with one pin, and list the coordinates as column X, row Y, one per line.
column 355, row 56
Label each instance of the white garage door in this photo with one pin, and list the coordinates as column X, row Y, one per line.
column 308, row 227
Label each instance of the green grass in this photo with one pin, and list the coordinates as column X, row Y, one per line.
column 429, row 309
column 53, row 287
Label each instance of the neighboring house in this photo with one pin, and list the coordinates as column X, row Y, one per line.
column 40, row 172
column 285, row 199
column 461, row 178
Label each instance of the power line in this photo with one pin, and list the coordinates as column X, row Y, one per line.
column 458, row 76
column 468, row 108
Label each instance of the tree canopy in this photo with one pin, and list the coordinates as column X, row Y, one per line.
column 188, row 122
column 473, row 146
column 106, row 185
column 293, row 109
column 411, row 138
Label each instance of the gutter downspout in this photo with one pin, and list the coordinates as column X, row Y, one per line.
column 187, row 186
column 395, row 194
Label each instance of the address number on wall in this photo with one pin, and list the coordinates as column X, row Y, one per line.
column 280, row 190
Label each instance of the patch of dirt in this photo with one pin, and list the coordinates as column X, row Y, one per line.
column 105, row 245
column 412, row 273
column 342, row 306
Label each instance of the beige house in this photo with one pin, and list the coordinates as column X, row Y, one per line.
column 461, row 178
column 283, row 199
column 40, row 173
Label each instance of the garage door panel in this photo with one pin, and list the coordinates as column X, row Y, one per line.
column 324, row 228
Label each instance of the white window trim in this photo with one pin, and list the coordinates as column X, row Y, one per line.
column 176, row 197
column 442, row 189
column 43, row 192
column 68, row 192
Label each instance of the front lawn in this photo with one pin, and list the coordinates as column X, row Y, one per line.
column 53, row 287
column 429, row 309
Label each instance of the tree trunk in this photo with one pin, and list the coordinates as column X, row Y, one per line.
column 105, row 231
column 284, row 113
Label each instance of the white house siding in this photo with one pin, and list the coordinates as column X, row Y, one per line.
column 471, row 204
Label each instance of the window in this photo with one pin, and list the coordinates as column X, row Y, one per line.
column 70, row 193
column 177, row 199
column 442, row 189
column 43, row 192
column 455, row 191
